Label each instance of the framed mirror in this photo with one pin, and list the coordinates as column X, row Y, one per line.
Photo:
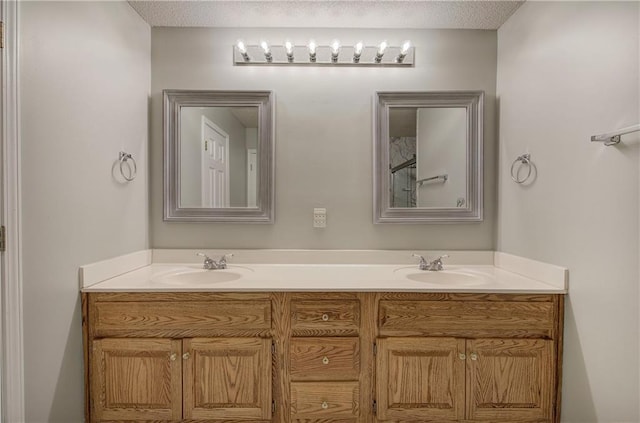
column 218, row 156
column 428, row 157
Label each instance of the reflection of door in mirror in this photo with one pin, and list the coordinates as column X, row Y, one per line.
column 214, row 157
column 441, row 150
column 215, row 165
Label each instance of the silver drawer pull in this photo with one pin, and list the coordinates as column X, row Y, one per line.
column 324, row 405
column 325, row 317
column 325, row 360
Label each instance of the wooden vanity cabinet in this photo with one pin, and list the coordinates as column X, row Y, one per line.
column 469, row 358
column 322, row 357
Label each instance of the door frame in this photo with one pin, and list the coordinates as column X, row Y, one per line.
column 11, row 352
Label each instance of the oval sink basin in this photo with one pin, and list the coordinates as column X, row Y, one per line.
column 449, row 277
column 188, row 276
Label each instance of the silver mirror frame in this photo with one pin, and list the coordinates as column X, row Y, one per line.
column 173, row 101
column 473, row 102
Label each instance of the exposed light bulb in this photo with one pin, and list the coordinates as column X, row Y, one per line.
column 242, row 48
column 405, row 47
column 265, row 47
column 267, row 51
column 403, row 51
column 288, row 47
column 381, row 48
column 312, row 50
column 357, row 51
column 335, row 51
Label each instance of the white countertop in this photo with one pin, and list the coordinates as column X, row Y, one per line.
column 248, row 277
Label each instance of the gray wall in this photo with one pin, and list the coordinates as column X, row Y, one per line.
column 84, row 85
column 567, row 71
column 323, row 134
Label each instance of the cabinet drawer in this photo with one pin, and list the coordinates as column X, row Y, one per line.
column 467, row 318
column 325, row 317
column 325, row 399
column 325, row 358
column 111, row 317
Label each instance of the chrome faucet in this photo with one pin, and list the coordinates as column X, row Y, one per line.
column 211, row 264
column 433, row 265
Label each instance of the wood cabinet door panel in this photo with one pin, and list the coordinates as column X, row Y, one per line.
column 509, row 379
column 227, row 378
column 325, row 358
column 420, row 379
column 325, row 400
column 136, row 379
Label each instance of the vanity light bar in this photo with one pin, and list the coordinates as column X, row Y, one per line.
column 334, row 54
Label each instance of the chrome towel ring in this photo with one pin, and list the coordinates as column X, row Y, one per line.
column 124, row 158
column 524, row 160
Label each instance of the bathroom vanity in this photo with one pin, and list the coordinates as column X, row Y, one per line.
column 336, row 355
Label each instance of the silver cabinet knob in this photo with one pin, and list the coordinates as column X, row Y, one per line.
column 325, row 317
column 325, row 360
column 173, row 357
column 186, row 356
column 473, row 356
column 324, row 405
column 462, row 356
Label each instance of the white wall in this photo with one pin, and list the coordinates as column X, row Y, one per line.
column 323, row 134
column 85, row 77
column 566, row 71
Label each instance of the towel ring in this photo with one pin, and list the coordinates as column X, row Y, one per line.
column 124, row 158
column 525, row 159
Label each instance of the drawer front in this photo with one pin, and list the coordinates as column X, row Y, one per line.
column 325, row 317
column 325, row 358
column 182, row 315
column 325, row 400
column 466, row 318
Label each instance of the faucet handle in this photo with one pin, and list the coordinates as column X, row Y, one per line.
column 222, row 263
column 423, row 263
column 206, row 257
column 439, row 258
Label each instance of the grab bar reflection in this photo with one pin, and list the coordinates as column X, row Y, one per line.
column 444, row 178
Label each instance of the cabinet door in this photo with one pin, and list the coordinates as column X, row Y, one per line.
column 227, row 378
column 136, row 379
column 510, row 379
column 420, row 379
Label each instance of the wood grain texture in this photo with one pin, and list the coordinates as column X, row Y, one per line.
column 325, row 359
column 324, row 316
column 325, row 399
column 140, row 315
column 227, row 378
column 368, row 334
column 281, row 362
column 86, row 355
column 452, row 296
column 511, row 379
column 420, row 379
column 459, row 318
column 135, row 379
column 559, row 342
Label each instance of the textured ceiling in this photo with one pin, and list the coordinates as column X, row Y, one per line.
column 475, row 14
